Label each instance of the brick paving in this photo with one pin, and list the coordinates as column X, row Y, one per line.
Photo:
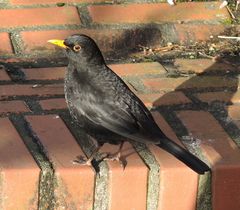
column 197, row 107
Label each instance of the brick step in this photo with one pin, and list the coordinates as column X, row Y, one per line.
column 222, row 153
column 149, row 80
column 19, row 172
column 39, row 141
column 152, row 176
column 27, row 25
column 61, row 148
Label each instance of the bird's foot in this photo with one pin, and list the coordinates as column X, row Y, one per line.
column 81, row 160
column 111, row 157
column 116, row 157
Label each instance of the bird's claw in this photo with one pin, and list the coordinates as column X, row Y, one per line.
column 116, row 157
column 81, row 160
column 112, row 157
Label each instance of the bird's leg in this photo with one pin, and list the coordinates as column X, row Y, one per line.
column 83, row 161
column 117, row 156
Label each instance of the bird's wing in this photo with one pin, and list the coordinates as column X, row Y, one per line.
column 112, row 105
column 118, row 118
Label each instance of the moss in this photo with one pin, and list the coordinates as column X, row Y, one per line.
column 46, row 183
column 227, row 21
column 153, row 176
column 60, row 4
column 204, row 196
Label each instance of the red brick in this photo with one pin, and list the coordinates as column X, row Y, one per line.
column 3, row 75
column 190, row 33
column 37, row 40
column 30, row 2
column 107, row 40
column 226, row 190
column 6, row 45
column 30, row 90
column 75, row 183
column 131, row 69
column 19, row 172
column 227, row 97
column 129, row 181
column 170, row 171
column 135, row 69
column 38, row 17
column 161, row 12
column 51, row 73
column 55, row 103
column 14, row 60
column 13, row 106
column 202, row 65
column 222, row 153
column 150, row 100
column 158, row 84
column 234, row 114
column 158, row 99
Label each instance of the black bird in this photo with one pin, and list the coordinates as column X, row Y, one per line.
column 99, row 99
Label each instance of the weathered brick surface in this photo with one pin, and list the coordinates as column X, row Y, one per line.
column 234, row 114
column 162, row 12
column 107, row 40
column 179, row 15
column 6, row 45
column 158, row 84
column 38, row 17
column 135, row 69
column 55, row 103
column 3, row 75
column 158, row 99
column 129, row 181
column 51, row 73
column 150, row 100
column 227, row 97
column 131, row 69
column 61, row 147
column 19, row 172
column 191, row 33
column 30, row 90
column 13, row 107
column 75, row 183
column 174, row 191
column 37, row 40
column 222, row 153
column 202, row 65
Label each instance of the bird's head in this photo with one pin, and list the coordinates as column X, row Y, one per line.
column 80, row 48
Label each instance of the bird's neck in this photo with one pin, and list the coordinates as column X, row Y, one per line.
column 86, row 68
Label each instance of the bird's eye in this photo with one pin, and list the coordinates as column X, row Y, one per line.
column 77, row 48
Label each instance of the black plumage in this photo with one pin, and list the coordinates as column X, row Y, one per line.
column 99, row 100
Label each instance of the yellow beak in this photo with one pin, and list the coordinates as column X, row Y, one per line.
column 57, row 42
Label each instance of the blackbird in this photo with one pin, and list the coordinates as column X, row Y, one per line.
column 99, row 99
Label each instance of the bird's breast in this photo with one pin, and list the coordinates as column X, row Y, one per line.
column 80, row 95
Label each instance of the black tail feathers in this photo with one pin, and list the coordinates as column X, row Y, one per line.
column 183, row 155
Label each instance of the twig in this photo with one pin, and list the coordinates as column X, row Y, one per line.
column 207, row 56
column 229, row 37
column 231, row 13
column 236, row 8
column 167, row 48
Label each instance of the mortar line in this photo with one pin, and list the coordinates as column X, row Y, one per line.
column 204, row 194
column 153, row 187
column 101, row 190
column 46, row 188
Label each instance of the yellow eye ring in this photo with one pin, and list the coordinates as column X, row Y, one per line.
column 76, row 48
